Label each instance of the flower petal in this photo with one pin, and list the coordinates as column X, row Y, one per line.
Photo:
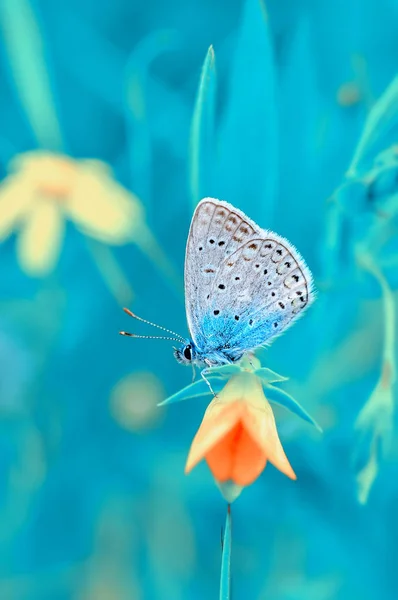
column 15, row 199
column 102, row 208
column 51, row 174
column 236, row 457
column 219, row 419
column 40, row 238
column 261, row 426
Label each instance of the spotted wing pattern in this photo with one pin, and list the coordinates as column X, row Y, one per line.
column 217, row 230
column 243, row 285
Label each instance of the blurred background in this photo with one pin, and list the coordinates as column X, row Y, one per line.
column 116, row 118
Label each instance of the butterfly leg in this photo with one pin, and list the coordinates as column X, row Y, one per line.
column 250, row 357
column 207, row 381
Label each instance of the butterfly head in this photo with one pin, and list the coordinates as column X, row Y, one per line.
column 185, row 354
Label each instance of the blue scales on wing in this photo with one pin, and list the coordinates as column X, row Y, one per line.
column 244, row 285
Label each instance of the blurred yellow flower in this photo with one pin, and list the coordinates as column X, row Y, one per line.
column 43, row 190
column 238, row 436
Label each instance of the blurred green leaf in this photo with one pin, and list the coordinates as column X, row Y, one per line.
column 374, row 430
column 381, row 129
column 139, row 142
column 375, row 421
column 24, row 44
column 248, row 141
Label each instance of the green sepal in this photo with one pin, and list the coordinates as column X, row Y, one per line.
column 223, row 371
column 278, row 396
column 194, row 390
column 267, row 376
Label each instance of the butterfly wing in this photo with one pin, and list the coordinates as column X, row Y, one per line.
column 243, row 285
column 257, row 292
column 217, row 231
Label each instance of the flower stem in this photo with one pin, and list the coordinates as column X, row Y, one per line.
column 111, row 271
column 25, row 47
column 149, row 245
column 225, row 580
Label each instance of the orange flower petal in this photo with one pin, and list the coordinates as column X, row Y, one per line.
column 236, row 457
column 238, row 434
column 219, row 419
column 262, row 428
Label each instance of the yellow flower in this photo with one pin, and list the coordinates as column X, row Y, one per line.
column 238, row 436
column 44, row 190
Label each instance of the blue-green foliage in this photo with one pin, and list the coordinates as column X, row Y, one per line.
column 298, row 129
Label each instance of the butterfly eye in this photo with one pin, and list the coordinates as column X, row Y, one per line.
column 187, row 352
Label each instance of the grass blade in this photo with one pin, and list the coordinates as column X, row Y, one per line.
column 202, row 132
column 24, row 45
column 248, row 143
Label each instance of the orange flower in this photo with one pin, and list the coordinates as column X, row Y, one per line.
column 238, row 434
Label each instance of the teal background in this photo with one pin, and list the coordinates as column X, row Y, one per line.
column 94, row 503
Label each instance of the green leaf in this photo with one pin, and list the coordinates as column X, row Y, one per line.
column 267, row 376
column 282, row 398
column 194, row 390
column 202, row 131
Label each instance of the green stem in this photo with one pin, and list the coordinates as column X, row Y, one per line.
column 148, row 244
column 25, row 48
column 225, row 580
column 111, row 272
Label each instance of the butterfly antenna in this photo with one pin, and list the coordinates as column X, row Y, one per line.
column 148, row 337
column 178, row 337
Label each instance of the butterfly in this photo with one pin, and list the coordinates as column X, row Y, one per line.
column 244, row 286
